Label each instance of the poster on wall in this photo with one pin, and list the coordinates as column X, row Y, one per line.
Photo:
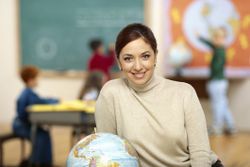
column 187, row 21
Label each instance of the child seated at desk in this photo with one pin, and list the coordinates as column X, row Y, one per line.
column 92, row 86
column 42, row 154
column 89, row 92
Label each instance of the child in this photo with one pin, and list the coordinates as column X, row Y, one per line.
column 90, row 91
column 42, row 154
column 92, row 86
column 218, row 84
column 100, row 61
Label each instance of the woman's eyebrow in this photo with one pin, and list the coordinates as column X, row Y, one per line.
column 146, row 52
column 127, row 54
column 130, row 55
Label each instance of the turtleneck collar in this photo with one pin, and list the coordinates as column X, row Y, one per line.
column 150, row 84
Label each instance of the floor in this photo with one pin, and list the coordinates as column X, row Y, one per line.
column 234, row 151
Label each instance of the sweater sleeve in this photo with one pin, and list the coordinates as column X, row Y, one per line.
column 104, row 115
column 35, row 99
column 195, row 123
column 207, row 42
column 21, row 109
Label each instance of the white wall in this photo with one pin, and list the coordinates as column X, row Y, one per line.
column 239, row 99
column 67, row 88
column 10, row 85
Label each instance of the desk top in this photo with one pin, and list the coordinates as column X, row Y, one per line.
column 65, row 106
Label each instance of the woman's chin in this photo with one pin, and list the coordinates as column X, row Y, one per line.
column 138, row 81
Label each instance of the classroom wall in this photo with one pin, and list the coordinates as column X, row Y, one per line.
column 67, row 88
column 10, row 84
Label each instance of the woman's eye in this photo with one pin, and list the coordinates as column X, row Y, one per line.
column 145, row 57
column 128, row 59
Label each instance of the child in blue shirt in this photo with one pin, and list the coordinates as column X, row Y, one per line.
column 42, row 154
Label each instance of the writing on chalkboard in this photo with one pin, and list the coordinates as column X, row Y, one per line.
column 86, row 19
column 55, row 34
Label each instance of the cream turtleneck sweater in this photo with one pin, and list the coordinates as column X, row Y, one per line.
column 162, row 119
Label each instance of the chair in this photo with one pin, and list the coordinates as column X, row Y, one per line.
column 218, row 163
column 9, row 136
column 78, row 132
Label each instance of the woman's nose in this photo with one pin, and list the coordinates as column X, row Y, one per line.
column 137, row 65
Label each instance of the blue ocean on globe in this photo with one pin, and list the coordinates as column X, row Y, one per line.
column 102, row 150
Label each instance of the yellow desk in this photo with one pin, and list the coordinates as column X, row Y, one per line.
column 65, row 113
column 77, row 114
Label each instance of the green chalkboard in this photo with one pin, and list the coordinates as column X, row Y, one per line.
column 55, row 33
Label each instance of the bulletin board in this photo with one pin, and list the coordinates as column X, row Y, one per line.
column 184, row 19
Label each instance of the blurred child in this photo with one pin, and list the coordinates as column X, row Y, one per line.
column 90, row 91
column 99, row 60
column 42, row 155
column 92, row 86
column 218, row 85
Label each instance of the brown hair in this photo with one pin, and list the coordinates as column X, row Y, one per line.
column 132, row 32
column 29, row 72
column 94, row 44
column 93, row 80
column 220, row 31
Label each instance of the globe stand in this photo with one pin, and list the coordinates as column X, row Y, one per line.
column 178, row 72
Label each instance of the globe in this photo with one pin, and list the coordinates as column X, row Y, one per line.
column 102, row 150
column 179, row 55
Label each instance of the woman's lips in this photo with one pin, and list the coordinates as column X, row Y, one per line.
column 139, row 75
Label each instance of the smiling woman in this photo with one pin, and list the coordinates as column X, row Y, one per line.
column 136, row 50
column 137, row 60
column 162, row 119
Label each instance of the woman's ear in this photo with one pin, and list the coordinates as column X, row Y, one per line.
column 156, row 53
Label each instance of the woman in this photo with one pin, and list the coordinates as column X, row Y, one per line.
column 162, row 119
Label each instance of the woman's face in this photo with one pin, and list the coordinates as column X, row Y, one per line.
column 137, row 60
